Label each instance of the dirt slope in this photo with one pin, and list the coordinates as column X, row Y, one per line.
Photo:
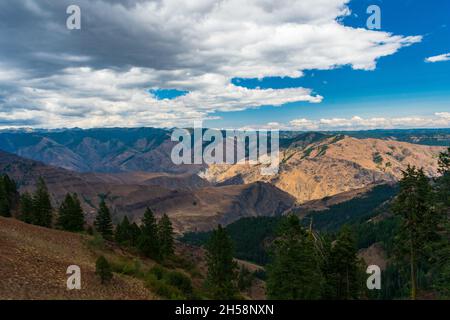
column 34, row 260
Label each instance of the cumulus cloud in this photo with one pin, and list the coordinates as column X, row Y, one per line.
column 439, row 58
column 438, row 120
column 101, row 74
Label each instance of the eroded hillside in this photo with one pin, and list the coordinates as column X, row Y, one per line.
column 333, row 165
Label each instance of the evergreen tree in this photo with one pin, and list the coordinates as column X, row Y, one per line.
column 441, row 250
column 148, row 243
column 5, row 209
column 103, row 270
column 26, row 208
column 342, row 268
column 165, row 235
column 103, row 222
column 294, row 272
column 8, row 195
column 123, row 232
column 71, row 217
column 135, row 234
column 221, row 277
column 443, row 183
column 419, row 221
column 42, row 208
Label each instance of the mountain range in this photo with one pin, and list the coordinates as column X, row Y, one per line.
column 131, row 169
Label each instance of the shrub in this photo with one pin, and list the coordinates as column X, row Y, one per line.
column 180, row 281
column 97, row 242
column 162, row 289
column 127, row 267
column 103, row 269
column 158, row 271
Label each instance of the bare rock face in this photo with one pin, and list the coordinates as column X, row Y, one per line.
column 333, row 165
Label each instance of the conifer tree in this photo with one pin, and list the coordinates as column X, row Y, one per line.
column 26, row 208
column 123, row 232
column 342, row 268
column 71, row 217
column 441, row 250
column 165, row 235
column 135, row 233
column 221, row 276
column 103, row 270
column 148, row 243
column 5, row 209
column 419, row 221
column 294, row 272
column 8, row 195
column 42, row 208
column 103, row 222
column 443, row 183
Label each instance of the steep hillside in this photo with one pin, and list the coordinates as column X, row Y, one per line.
column 251, row 236
column 188, row 200
column 333, row 165
column 34, row 261
column 97, row 150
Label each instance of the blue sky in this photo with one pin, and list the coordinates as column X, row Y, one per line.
column 287, row 64
column 402, row 84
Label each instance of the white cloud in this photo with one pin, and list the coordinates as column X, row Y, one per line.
column 439, row 58
column 438, row 120
column 198, row 46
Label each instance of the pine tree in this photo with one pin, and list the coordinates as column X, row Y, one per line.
column 103, row 222
column 419, row 221
column 148, row 243
column 165, row 235
column 342, row 268
column 26, row 208
column 8, row 195
column 441, row 249
column 71, row 217
column 103, row 270
column 221, row 277
column 123, row 232
column 42, row 208
column 135, row 233
column 5, row 209
column 294, row 272
column 443, row 183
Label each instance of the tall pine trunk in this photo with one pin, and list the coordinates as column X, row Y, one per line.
column 413, row 270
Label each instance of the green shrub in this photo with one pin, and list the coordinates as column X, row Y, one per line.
column 97, row 242
column 180, row 281
column 127, row 267
column 158, row 271
column 162, row 289
column 103, row 270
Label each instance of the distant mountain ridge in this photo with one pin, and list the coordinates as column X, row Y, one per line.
column 110, row 150
column 331, row 165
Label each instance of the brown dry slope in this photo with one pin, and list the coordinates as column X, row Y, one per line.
column 191, row 202
column 334, row 165
column 34, row 260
